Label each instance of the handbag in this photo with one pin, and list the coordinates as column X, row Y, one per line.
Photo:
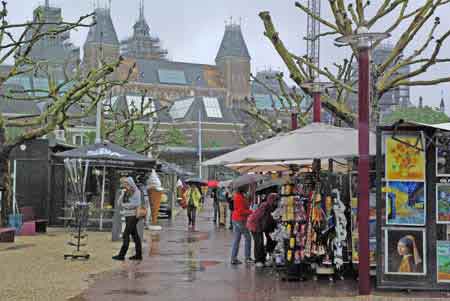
column 141, row 212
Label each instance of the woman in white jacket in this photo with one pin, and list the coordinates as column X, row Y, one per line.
column 130, row 202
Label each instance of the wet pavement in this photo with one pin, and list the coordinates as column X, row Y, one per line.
column 194, row 265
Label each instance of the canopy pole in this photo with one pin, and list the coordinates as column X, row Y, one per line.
column 200, row 144
column 14, row 187
column 102, row 202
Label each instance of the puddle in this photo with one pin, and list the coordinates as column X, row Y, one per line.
column 18, row 247
column 128, row 292
column 172, row 253
column 192, row 239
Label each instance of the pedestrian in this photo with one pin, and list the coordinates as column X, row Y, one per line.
column 215, row 200
column 240, row 214
column 223, row 204
column 230, row 206
column 261, row 223
column 193, row 197
column 130, row 202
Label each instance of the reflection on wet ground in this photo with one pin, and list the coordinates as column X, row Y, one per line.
column 17, row 247
column 194, row 265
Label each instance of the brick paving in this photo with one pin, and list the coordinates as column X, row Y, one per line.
column 185, row 265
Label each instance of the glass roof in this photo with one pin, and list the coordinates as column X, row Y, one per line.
column 264, row 102
column 172, row 77
column 136, row 101
column 23, row 81
column 180, row 108
column 212, row 107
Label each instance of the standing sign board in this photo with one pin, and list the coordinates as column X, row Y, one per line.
column 413, row 207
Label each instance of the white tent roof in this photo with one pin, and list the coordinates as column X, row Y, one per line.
column 314, row 141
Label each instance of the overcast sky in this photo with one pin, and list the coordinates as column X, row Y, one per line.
column 191, row 30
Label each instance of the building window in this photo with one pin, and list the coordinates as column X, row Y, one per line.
column 78, row 140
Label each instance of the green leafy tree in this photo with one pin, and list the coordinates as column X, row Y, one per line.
column 175, row 137
column 423, row 115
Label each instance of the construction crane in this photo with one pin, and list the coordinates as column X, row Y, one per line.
column 313, row 52
column 313, row 42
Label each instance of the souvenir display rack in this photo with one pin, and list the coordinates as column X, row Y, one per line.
column 311, row 235
column 413, row 207
column 78, row 233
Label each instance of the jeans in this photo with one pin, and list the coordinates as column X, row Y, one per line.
column 131, row 229
column 216, row 211
column 270, row 243
column 191, row 212
column 239, row 230
column 223, row 213
column 259, row 250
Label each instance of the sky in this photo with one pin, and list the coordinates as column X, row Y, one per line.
column 191, row 30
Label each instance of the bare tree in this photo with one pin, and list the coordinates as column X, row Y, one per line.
column 128, row 124
column 76, row 89
column 403, row 16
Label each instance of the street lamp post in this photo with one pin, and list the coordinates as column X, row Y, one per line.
column 294, row 119
column 316, row 87
column 363, row 41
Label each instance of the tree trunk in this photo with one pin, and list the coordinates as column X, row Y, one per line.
column 5, row 181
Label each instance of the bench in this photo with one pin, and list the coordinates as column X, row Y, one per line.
column 7, row 234
column 29, row 217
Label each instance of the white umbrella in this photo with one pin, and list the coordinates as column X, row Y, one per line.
column 314, row 141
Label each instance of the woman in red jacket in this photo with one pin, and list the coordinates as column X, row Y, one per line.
column 240, row 213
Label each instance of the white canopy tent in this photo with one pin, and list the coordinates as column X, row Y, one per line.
column 280, row 166
column 314, row 141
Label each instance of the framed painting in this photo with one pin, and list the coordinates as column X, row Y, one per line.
column 405, row 158
column 443, row 260
column 405, row 251
column 443, row 203
column 443, row 156
column 405, row 203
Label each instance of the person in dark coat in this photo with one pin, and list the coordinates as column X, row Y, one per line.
column 132, row 200
column 261, row 222
column 230, row 206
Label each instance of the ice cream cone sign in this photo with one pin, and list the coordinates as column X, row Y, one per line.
column 155, row 191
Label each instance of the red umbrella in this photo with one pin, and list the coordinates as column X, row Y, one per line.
column 213, row 184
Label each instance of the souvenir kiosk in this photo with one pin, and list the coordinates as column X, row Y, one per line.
column 413, row 206
column 314, row 212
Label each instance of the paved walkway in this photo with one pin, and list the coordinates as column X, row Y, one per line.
column 194, row 265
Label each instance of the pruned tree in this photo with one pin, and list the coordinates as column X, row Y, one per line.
column 403, row 18
column 133, row 124
column 77, row 89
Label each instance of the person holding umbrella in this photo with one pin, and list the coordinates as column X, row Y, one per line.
column 193, row 197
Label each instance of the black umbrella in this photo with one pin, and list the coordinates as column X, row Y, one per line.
column 108, row 154
column 246, row 180
column 196, row 181
column 267, row 185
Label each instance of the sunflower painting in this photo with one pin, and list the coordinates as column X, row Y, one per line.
column 404, row 162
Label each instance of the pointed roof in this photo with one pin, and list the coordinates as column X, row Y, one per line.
column 141, row 26
column 233, row 43
column 442, row 105
column 103, row 32
column 141, row 44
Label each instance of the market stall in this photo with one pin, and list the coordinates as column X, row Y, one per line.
column 413, row 206
column 314, row 212
column 107, row 163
